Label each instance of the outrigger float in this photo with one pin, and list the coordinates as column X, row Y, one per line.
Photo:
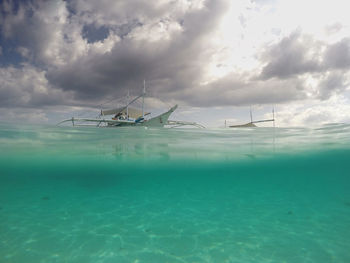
column 252, row 123
column 130, row 116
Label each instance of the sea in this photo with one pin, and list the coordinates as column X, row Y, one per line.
column 190, row 195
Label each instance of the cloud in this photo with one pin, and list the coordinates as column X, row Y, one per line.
column 301, row 57
column 43, row 28
column 298, row 54
column 337, row 56
column 27, row 87
column 332, row 83
column 335, row 110
column 18, row 115
column 241, row 90
column 264, row 2
column 121, row 13
column 293, row 55
column 196, row 53
column 169, row 54
column 167, row 46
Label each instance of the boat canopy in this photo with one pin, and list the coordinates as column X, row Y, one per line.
column 132, row 112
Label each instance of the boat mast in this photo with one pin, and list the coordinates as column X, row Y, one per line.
column 143, row 98
column 127, row 105
column 251, row 115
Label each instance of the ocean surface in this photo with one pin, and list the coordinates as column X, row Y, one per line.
column 101, row 195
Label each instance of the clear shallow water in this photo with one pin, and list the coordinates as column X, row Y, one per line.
column 160, row 195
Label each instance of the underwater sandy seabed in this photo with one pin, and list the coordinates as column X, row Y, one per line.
column 88, row 205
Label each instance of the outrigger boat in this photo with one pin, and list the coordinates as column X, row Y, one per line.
column 130, row 116
column 252, row 123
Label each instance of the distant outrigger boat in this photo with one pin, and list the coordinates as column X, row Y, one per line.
column 252, row 123
column 130, row 116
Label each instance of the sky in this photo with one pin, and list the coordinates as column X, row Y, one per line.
column 214, row 58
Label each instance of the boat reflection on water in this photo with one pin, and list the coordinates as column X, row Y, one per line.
column 142, row 151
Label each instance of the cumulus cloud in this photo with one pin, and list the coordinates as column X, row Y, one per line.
column 338, row 55
column 166, row 45
column 293, row 55
column 298, row 54
column 301, row 57
column 241, row 90
column 334, row 110
column 333, row 83
column 44, row 29
column 170, row 54
column 27, row 87
column 200, row 53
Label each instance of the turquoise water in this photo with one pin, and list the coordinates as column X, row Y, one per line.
column 174, row 195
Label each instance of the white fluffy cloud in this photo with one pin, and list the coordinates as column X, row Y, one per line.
column 314, row 113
